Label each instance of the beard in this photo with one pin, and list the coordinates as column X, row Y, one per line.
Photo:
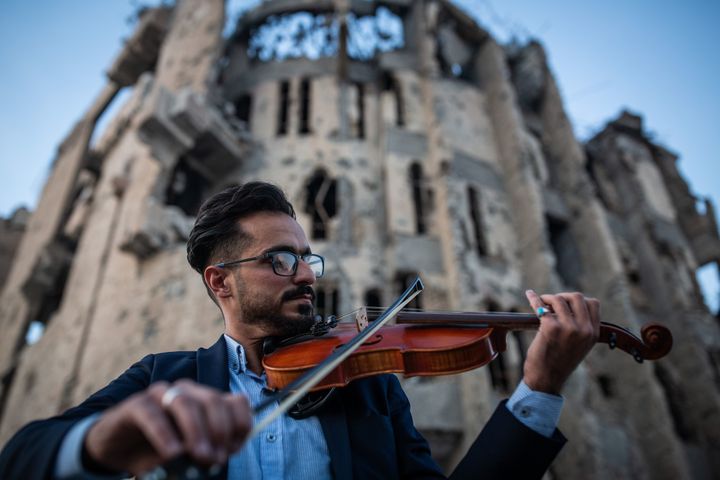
column 263, row 312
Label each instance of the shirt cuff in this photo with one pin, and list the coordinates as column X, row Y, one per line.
column 68, row 465
column 538, row 411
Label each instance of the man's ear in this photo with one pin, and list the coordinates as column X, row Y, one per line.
column 217, row 280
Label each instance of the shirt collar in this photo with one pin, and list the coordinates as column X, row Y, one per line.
column 237, row 362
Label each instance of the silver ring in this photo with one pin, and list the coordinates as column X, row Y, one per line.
column 542, row 311
column 170, row 395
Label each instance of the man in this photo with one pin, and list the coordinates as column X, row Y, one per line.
column 258, row 268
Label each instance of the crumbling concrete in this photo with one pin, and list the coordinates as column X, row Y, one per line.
column 12, row 229
column 441, row 154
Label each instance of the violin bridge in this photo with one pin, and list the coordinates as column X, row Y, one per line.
column 361, row 319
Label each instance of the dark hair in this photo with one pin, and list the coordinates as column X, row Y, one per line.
column 216, row 231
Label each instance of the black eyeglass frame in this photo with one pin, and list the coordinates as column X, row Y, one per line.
column 271, row 255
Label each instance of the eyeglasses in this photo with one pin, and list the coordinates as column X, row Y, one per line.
column 285, row 264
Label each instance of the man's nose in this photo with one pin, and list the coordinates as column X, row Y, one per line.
column 304, row 273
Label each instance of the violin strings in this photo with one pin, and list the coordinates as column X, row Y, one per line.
column 377, row 310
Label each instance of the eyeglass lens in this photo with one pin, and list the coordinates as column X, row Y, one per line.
column 285, row 263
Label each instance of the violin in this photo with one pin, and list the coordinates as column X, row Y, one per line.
column 433, row 343
column 419, row 343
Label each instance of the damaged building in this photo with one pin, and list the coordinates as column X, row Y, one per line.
column 410, row 142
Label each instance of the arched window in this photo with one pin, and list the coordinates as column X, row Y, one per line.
column 321, row 203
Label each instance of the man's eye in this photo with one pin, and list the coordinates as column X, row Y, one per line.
column 283, row 258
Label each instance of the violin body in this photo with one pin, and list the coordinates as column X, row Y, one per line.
column 413, row 350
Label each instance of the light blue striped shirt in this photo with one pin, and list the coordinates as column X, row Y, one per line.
column 287, row 448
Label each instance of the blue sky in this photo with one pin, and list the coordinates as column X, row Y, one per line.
column 658, row 58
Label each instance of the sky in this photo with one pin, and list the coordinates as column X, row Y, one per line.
column 655, row 57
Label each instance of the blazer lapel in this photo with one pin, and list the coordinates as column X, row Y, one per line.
column 212, row 369
column 334, row 425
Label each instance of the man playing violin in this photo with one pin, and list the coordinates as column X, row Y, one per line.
column 257, row 266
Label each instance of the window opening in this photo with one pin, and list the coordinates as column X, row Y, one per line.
column 45, row 288
column 373, row 298
column 391, row 84
column 316, row 35
column 321, row 203
column 360, row 110
column 187, row 188
column 304, row 106
column 477, row 223
column 416, row 183
column 567, row 256
column 243, row 107
column 326, row 301
column 283, row 108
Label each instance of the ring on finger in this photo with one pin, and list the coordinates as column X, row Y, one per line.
column 170, row 395
column 542, row 311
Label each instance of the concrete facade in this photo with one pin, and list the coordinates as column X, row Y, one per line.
column 435, row 152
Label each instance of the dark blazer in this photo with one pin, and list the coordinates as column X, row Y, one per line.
column 367, row 425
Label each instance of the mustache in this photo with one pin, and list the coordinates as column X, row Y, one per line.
column 299, row 292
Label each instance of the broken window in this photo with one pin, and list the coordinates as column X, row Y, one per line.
column 316, row 35
column 391, row 84
column 373, row 298
column 477, row 223
column 417, row 186
column 304, row 106
column 321, row 203
column 454, row 53
column 360, row 125
column 402, row 281
column 45, row 287
column 283, row 108
column 243, row 107
column 326, row 300
column 187, row 187
column 567, row 255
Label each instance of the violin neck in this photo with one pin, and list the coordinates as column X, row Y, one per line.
column 506, row 320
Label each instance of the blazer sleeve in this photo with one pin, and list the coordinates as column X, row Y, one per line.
column 31, row 453
column 505, row 449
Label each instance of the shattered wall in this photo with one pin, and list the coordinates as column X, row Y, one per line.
column 409, row 142
column 11, row 231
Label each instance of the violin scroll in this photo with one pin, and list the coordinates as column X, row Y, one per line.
column 658, row 340
column 655, row 343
